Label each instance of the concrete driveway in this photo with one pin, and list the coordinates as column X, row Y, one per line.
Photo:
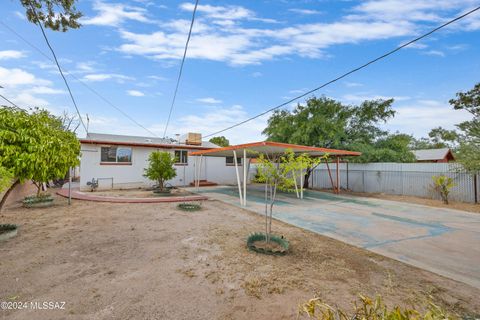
column 443, row 241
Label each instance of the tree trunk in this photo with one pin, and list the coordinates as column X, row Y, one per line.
column 5, row 196
column 307, row 177
column 266, row 210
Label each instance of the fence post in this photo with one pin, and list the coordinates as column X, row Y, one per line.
column 363, row 179
column 475, row 190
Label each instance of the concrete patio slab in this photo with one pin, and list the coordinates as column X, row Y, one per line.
column 443, row 241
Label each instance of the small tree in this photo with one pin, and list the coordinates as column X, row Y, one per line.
column 443, row 185
column 160, row 168
column 279, row 172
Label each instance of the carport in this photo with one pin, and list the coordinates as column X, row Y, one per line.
column 271, row 150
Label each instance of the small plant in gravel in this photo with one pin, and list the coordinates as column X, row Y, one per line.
column 443, row 185
column 160, row 168
column 370, row 309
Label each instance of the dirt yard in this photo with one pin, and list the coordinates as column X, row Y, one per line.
column 470, row 207
column 151, row 261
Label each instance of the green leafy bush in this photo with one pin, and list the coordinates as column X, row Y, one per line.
column 443, row 185
column 370, row 309
column 160, row 168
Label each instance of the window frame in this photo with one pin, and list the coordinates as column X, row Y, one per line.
column 239, row 161
column 180, row 163
column 116, row 162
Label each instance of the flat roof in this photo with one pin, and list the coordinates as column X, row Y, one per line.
column 271, row 148
column 138, row 141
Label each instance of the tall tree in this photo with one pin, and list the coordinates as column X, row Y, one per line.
column 57, row 15
column 469, row 151
column 220, row 141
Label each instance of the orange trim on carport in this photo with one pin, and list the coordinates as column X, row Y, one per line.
column 277, row 144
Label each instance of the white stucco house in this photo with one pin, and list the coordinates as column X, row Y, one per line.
column 118, row 161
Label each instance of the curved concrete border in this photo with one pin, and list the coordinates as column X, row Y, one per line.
column 77, row 194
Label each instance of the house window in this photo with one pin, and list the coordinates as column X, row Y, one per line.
column 230, row 162
column 116, row 155
column 181, row 157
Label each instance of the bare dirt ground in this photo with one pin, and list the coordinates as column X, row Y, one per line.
column 470, row 207
column 152, row 261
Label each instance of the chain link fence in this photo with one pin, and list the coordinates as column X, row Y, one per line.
column 411, row 179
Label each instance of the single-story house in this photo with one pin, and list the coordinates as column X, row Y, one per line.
column 118, row 161
column 434, row 155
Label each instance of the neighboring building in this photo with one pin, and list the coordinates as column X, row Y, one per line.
column 434, row 155
column 118, row 161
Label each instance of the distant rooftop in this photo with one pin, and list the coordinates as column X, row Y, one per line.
column 138, row 140
column 431, row 154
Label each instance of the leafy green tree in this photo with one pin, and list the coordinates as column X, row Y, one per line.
column 391, row 148
column 34, row 146
column 437, row 138
column 220, row 141
column 160, row 168
column 57, row 15
column 5, row 178
column 468, row 154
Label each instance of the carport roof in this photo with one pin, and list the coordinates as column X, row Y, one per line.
column 271, row 148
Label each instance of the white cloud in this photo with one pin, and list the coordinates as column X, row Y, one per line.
column 353, row 84
column 358, row 98
column 219, row 33
column 135, row 93
column 419, row 117
column 209, row 100
column 45, row 90
column 217, row 119
column 437, row 53
column 11, row 54
column 96, row 77
column 18, row 77
column 114, row 14
column 304, row 11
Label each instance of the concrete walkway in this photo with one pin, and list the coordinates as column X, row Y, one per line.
column 440, row 240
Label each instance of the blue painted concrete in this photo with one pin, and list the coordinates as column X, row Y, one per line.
column 440, row 240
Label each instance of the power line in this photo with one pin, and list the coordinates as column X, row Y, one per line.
column 95, row 92
column 347, row 73
column 58, row 66
column 181, row 68
column 9, row 101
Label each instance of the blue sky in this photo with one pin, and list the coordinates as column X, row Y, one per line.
column 244, row 57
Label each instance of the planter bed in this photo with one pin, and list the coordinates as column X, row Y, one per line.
column 277, row 245
column 7, row 231
column 38, row 202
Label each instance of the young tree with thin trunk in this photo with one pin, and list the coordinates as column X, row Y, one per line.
column 160, row 168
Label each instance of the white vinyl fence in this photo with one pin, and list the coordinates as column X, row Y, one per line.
column 413, row 179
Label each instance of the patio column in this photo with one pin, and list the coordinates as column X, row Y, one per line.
column 301, row 184
column 238, row 177
column 338, row 174
column 245, row 174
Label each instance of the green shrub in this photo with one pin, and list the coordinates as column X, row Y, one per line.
column 443, row 185
column 370, row 309
column 160, row 168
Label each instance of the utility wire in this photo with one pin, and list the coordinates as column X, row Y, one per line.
column 38, row 22
column 347, row 73
column 181, row 68
column 95, row 92
column 9, row 101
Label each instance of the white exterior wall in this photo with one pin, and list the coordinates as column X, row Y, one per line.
column 213, row 169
